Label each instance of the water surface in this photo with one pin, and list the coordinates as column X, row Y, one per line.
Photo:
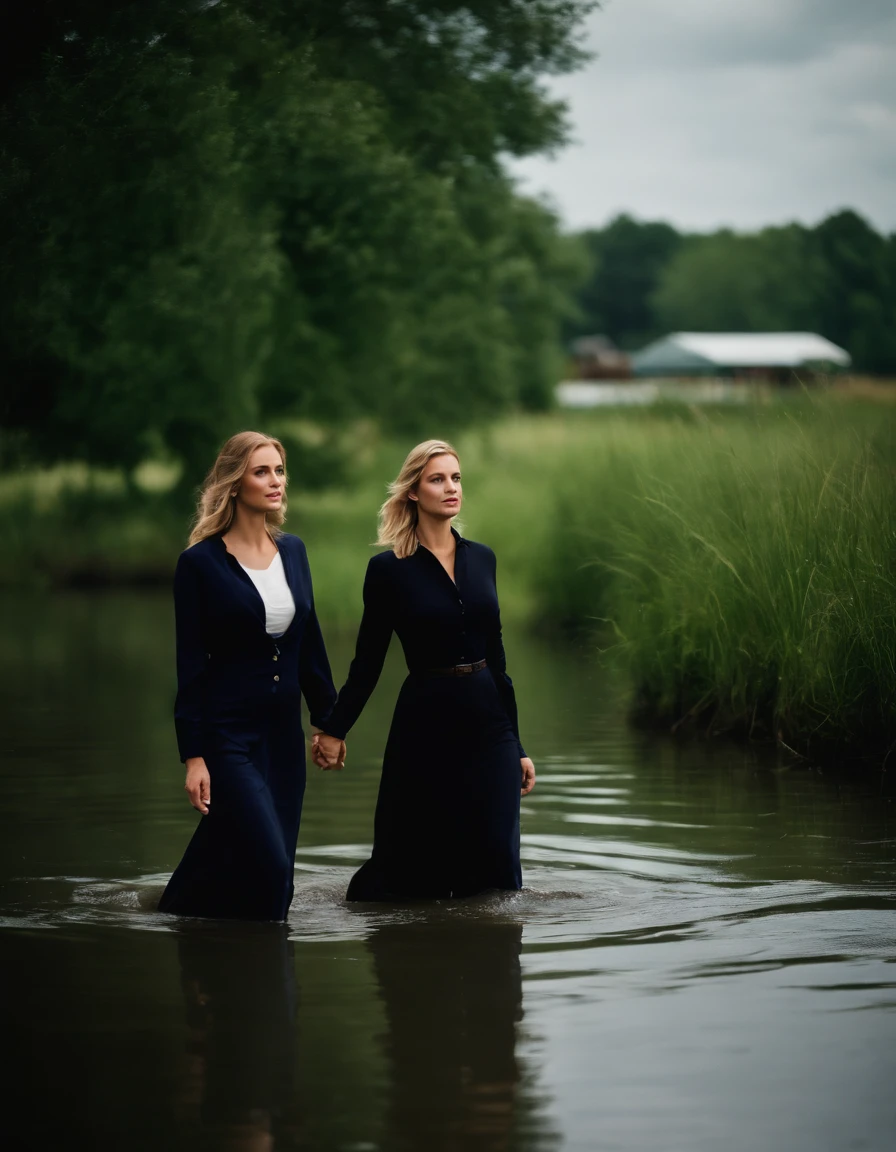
column 703, row 956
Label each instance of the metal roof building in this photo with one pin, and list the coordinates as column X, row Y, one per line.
column 738, row 353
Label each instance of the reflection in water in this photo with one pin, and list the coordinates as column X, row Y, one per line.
column 453, row 996
column 240, row 1007
column 705, row 928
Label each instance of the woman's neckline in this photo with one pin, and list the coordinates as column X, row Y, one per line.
column 233, row 555
column 274, row 560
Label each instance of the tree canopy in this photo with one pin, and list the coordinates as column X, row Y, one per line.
column 215, row 214
column 837, row 279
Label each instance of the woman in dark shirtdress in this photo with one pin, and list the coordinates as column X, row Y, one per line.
column 447, row 815
column 248, row 646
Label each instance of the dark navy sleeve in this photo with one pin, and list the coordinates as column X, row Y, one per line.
column 374, row 634
column 497, row 665
column 192, row 658
column 315, row 677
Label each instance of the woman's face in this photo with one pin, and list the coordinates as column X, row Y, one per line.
column 264, row 480
column 439, row 491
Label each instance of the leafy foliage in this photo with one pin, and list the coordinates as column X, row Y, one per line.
column 218, row 214
column 838, row 279
column 627, row 259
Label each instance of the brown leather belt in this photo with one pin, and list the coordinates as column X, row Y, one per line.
column 457, row 670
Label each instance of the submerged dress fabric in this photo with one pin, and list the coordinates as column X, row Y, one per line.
column 447, row 815
column 238, row 706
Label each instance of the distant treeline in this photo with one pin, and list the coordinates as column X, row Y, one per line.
column 222, row 214
column 218, row 213
column 837, row 279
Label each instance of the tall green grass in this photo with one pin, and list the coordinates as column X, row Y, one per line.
column 745, row 570
column 740, row 565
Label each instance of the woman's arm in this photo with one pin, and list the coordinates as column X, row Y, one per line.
column 374, row 635
column 497, row 665
column 315, row 677
column 192, row 660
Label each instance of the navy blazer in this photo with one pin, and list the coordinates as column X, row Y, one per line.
column 225, row 658
column 440, row 622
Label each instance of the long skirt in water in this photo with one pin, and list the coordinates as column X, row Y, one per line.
column 448, row 812
column 240, row 862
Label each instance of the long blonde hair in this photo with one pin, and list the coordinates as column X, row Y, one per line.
column 216, row 506
column 398, row 516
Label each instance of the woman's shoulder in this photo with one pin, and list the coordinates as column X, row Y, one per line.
column 197, row 552
column 383, row 570
column 199, row 560
column 382, row 561
column 382, row 565
column 291, row 542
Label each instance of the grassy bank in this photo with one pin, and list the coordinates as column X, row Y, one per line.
column 746, row 569
column 740, row 565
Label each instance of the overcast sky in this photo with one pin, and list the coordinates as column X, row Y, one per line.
column 729, row 112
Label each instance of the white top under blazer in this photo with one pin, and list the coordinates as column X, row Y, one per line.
column 279, row 606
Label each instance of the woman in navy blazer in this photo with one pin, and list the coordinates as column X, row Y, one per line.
column 448, row 812
column 245, row 655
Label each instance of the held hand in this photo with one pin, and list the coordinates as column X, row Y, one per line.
column 328, row 752
column 528, row 769
column 198, row 784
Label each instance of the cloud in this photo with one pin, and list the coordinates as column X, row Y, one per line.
column 711, row 112
column 725, row 33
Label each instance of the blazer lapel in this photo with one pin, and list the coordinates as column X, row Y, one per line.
column 292, row 579
column 254, row 601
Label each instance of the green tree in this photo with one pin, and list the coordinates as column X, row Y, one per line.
column 627, row 259
column 727, row 282
column 836, row 279
column 219, row 213
column 858, row 293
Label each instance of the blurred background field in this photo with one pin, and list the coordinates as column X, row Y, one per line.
column 737, row 564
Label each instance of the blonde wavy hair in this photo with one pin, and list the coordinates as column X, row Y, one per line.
column 215, row 509
column 398, row 516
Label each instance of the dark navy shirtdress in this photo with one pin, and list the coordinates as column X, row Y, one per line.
column 238, row 706
column 447, row 815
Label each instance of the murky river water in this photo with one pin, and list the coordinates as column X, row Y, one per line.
column 703, row 956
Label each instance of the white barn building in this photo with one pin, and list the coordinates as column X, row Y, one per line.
column 754, row 354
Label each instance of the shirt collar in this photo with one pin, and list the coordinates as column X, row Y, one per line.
column 460, row 542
